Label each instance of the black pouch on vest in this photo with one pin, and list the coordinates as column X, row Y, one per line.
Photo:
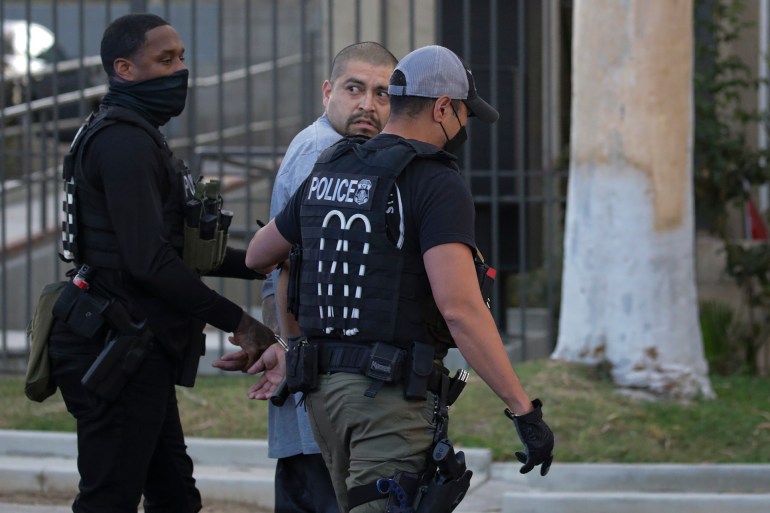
column 419, row 371
column 80, row 311
column 385, row 363
column 301, row 366
column 292, row 295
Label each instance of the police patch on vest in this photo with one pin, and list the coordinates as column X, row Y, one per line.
column 341, row 190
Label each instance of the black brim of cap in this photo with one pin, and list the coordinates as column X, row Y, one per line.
column 482, row 110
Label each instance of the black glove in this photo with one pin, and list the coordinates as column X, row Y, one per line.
column 537, row 438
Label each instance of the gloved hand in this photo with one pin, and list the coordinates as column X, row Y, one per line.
column 537, row 438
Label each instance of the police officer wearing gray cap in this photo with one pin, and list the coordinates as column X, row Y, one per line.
column 385, row 278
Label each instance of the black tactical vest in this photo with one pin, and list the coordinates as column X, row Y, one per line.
column 351, row 274
column 87, row 235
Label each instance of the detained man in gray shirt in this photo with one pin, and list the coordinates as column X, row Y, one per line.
column 356, row 103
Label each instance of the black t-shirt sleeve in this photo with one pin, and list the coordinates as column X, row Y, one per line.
column 445, row 211
column 134, row 179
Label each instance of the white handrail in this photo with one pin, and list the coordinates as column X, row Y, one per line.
column 97, row 91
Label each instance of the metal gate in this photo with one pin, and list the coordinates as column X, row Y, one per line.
column 256, row 68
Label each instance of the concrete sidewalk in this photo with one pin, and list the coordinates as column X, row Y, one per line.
column 240, row 471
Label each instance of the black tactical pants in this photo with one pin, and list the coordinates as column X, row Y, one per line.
column 129, row 447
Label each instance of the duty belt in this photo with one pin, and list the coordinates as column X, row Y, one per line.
column 387, row 363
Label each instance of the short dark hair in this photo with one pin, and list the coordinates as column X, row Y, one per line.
column 125, row 36
column 410, row 106
column 366, row 51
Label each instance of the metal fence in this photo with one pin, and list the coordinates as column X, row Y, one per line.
column 256, row 68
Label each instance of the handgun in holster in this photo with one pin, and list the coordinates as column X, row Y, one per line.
column 451, row 478
column 449, row 483
column 117, row 362
column 128, row 344
column 95, row 316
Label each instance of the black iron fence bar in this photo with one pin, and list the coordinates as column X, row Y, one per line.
column 546, row 163
column 274, row 82
column 306, row 67
column 412, row 33
column 3, row 266
column 521, row 105
column 138, row 6
column 248, row 162
column 192, row 94
column 357, row 6
column 494, row 149
column 26, row 163
column 466, row 21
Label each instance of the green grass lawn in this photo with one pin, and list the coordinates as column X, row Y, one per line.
column 591, row 420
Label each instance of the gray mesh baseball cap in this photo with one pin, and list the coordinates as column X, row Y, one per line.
column 434, row 71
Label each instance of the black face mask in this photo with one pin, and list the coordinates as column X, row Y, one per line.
column 158, row 99
column 453, row 144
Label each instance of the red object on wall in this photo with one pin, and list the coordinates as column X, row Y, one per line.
column 758, row 226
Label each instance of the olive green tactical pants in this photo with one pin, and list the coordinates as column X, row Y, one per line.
column 363, row 439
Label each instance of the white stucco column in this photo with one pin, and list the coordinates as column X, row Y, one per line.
column 628, row 293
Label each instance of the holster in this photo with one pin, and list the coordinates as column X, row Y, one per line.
column 119, row 359
column 196, row 347
column 435, row 491
column 449, row 484
column 92, row 316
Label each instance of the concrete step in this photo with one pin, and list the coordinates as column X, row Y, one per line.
column 640, row 488
column 648, row 478
column 240, row 471
column 28, row 508
column 634, row 502
column 227, row 470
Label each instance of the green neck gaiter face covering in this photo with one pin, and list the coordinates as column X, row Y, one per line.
column 157, row 99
